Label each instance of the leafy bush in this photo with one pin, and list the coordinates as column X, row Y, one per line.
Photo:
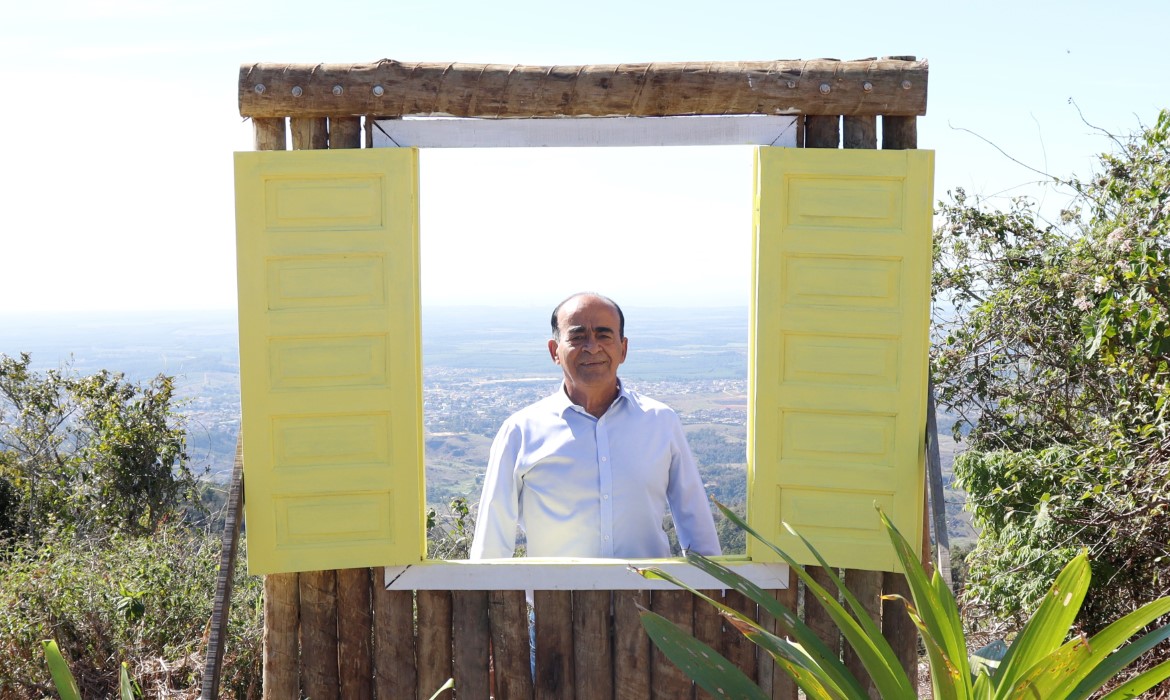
column 146, row 600
column 1057, row 359
column 1046, row 660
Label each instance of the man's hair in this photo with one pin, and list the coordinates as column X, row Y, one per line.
column 621, row 317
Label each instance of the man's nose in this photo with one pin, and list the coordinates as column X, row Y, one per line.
column 590, row 343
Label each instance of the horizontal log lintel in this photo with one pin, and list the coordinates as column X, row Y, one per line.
column 887, row 86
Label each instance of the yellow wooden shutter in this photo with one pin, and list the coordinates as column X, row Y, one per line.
column 330, row 369
column 838, row 353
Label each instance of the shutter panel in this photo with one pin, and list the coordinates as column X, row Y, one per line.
column 838, row 354
column 330, row 368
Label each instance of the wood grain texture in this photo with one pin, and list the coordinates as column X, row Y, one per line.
column 269, row 134
column 434, row 650
column 783, row 687
column 395, row 667
column 899, row 132
column 708, row 626
column 866, row 586
column 815, row 615
column 859, row 131
column 822, row 132
column 319, row 671
column 631, row 646
column 471, row 638
column 355, row 628
column 592, row 645
column 309, row 133
column 224, row 579
column 508, row 617
column 345, row 132
column 392, row 88
column 738, row 649
column 554, row 644
column 897, row 627
column 281, row 676
column 667, row 681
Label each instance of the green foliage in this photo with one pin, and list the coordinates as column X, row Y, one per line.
column 96, row 453
column 1042, row 662
column 449, row 532
column 1057, row 359
column 143, row 599
column 66, row 684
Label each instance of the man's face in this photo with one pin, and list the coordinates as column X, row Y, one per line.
column 587, row 346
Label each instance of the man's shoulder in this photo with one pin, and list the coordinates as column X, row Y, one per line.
column 552, row 405
column 648, row 405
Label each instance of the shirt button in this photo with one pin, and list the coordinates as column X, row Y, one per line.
column 607, row 538
column 605, row 496
column 605, row 459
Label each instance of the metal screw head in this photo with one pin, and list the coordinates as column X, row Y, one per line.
column 867, row 86
column 379, row 91
column 791, row 84
column 905, row 84
column 825, row 88
column 337, row 90
column 297, row 91
column 259, row 88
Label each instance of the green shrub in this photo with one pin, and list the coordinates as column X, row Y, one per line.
column 145, row 600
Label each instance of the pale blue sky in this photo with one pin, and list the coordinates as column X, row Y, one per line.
column 120, row 118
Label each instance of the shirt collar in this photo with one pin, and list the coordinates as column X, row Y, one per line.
column 564, row 403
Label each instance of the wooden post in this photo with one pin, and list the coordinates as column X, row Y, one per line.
column 554, row 645
column 822, row 132
column 866, row 586
column 709, row 629
column 782, row 685
column 860, row 131
column 281, row 591
column 667, row 681
column 738, row 649
column 508, row 615
column 319, row 671
column 434, row 642
column 815, row 615
column 631, row 646
column 471, row 637
column 354, row 634
column 345, row 132
column 395, row 668
column 309, row 133
column 593, row 658
column 221, row 612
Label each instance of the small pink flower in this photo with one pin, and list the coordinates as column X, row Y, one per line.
column 1082, row 303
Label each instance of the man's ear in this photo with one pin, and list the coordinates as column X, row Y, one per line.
column 625, row 349
column 552, row 350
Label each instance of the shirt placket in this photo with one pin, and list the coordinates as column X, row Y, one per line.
column 605, row 484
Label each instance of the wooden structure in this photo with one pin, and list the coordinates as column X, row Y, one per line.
column 341, row 634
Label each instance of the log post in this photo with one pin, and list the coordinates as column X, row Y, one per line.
column 866, row 586
column 593, row 659
column 395, row 668
column 319, row 671
column 668, row 682
column 471, row 639
column 554, row 645
column 354, row 634
column 281, row 591
column 709, row 629
column 435, row 660
column 631, row 646
column 508, row 615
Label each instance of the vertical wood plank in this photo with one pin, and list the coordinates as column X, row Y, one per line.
column 282, row 607
column 319, row 672
column 899, row 133
column 281, row 675
column 355, row 621
column 508, row 617
column 345, row 132
column 434, row 643
column 708, row 625
column 593, row 659
column 395, row 669
column 667, row 682
column 783, row 687
column 866, row 586
column 469, row 615
column 822, row 132
column 738, row 649
column 269, row 134
column 815, row 615
column 897, row 627
column 554, row 644
column 631, row 646
column 309, row 133
column 859, row 131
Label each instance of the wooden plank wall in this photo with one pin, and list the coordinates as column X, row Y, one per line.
column 339, row 634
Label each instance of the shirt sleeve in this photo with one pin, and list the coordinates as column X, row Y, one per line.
column 499, row 504
column 689, row 506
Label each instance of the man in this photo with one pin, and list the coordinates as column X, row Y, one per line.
column 590, row 470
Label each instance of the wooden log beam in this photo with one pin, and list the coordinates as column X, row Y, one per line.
column 388, row 88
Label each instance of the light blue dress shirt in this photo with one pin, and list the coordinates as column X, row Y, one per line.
column 580, row 486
